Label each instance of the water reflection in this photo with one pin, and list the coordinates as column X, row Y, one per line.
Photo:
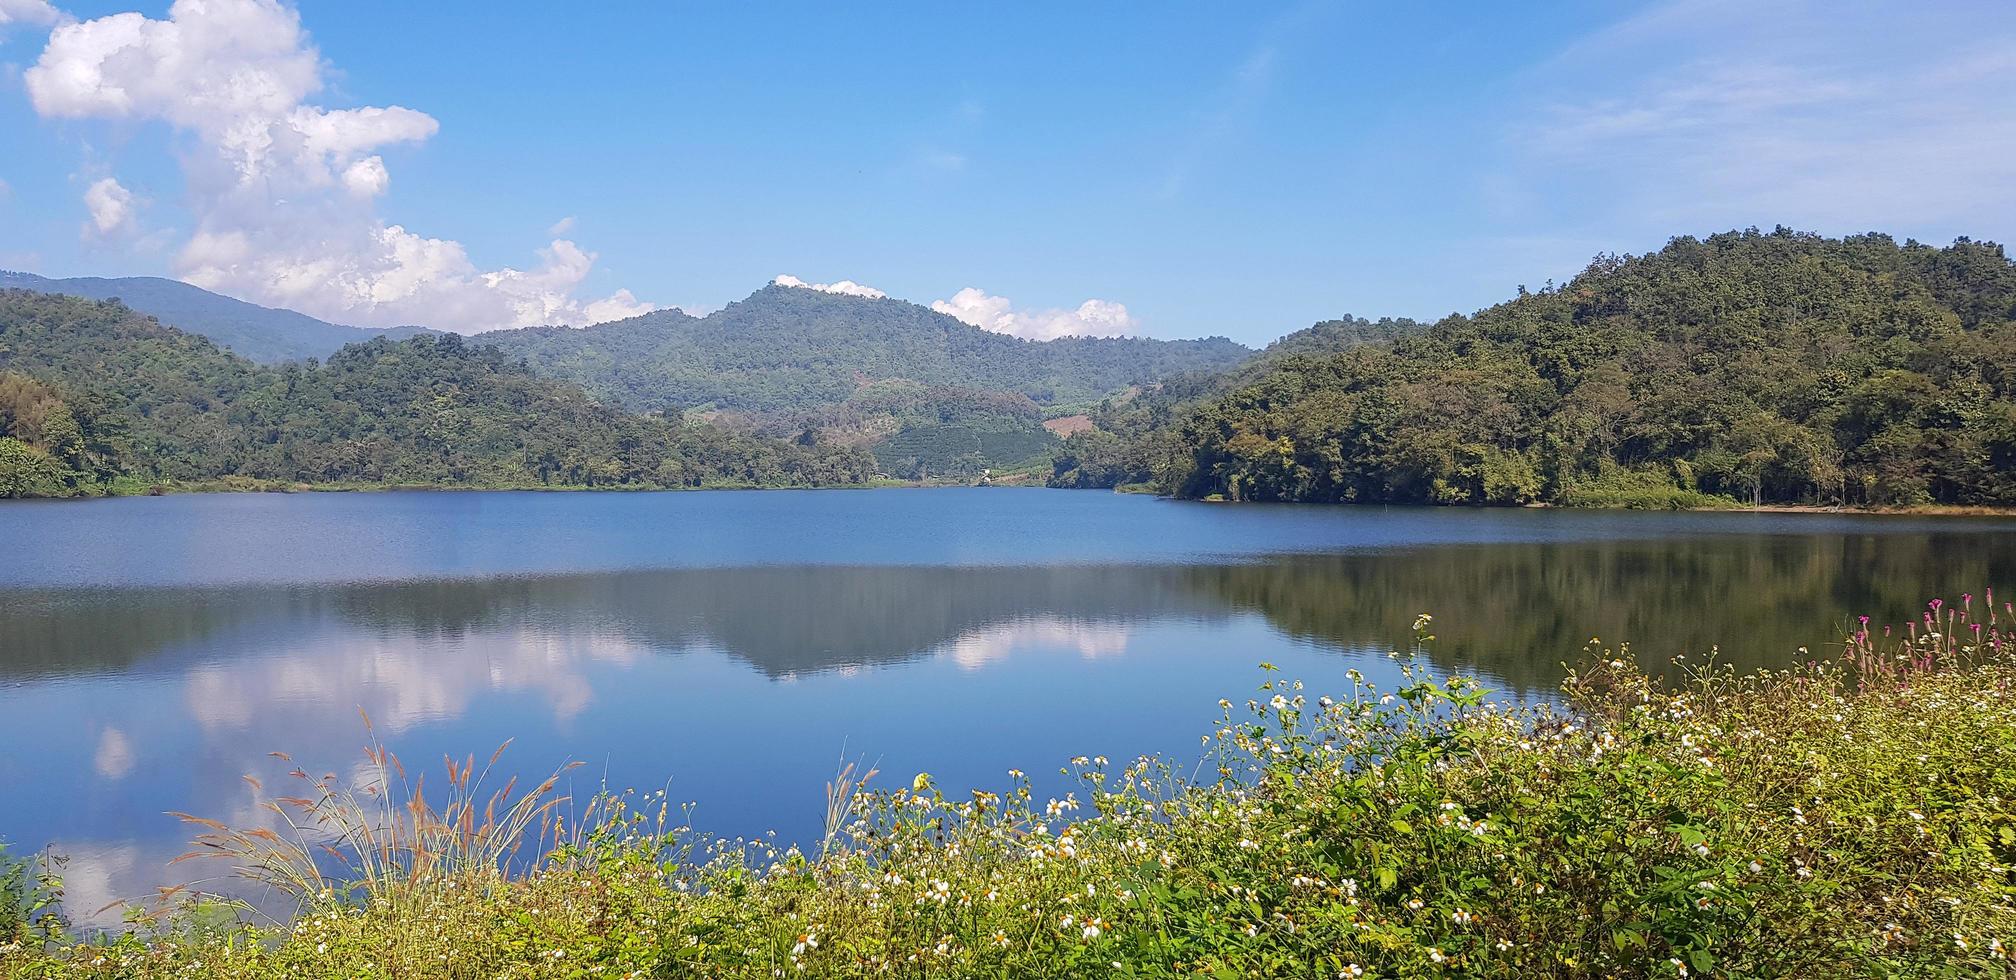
column 1512, row 609
column 746, row 685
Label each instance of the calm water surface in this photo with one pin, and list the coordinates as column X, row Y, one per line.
column 733, row 647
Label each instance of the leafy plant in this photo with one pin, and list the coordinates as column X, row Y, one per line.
column 31, row 897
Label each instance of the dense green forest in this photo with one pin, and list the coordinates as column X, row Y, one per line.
column 1774, row 367
column 782, row 362
column 786, row 349
column 1134, row 434
column 935, row 397
column 95, row 397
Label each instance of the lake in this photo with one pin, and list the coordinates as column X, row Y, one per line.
column 735, row 647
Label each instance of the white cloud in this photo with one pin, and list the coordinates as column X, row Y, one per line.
column 28, row 12
column 1715, row 113
column 284, row 193
column 845, row 287
column 561, row 227
column 111, row 207
column 367, row 177
column 1092, row 318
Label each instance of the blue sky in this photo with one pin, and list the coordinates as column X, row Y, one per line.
column 1209, row 168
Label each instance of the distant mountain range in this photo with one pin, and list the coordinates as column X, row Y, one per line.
column 782, row 348
column 786, row 348
column 96, row 398
column 257, row 333
column 932, row 395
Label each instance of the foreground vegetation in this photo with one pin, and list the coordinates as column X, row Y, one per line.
column 1852, row 817
column 1757, row 367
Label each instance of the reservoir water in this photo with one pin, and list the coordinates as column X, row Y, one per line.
column 733, row 648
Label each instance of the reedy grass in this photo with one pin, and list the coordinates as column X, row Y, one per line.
column 1853, row 816
column 380, row 837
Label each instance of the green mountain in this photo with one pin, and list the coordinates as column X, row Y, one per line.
column 96, row 397
column 1130, row 438
column 259, row 333
column 932, row 395
column 785, row 349
column 1761, row 367
column 1336, row 336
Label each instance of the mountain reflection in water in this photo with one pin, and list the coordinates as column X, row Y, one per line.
column 745, row 685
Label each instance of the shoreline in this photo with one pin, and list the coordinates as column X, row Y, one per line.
column 289, row 487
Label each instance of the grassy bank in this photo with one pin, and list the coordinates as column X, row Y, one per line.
column 1852, row 817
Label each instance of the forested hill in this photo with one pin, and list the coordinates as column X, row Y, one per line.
column 1759, row 367
column 789, row 349
column 1130, row 439
column 95, row 397
column 259, row 333
column 1335, row 336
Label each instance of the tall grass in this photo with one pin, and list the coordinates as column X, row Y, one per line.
column 1851, row 816
column 380, row 838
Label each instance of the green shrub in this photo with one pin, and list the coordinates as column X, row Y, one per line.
column 30, row 893
column 26, row 471
column 1646, row 489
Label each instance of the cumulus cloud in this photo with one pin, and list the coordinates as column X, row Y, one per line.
column 845, row 287
column 28, row 12
column 1092, row 318
column 284, row 192
column 111, row 207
